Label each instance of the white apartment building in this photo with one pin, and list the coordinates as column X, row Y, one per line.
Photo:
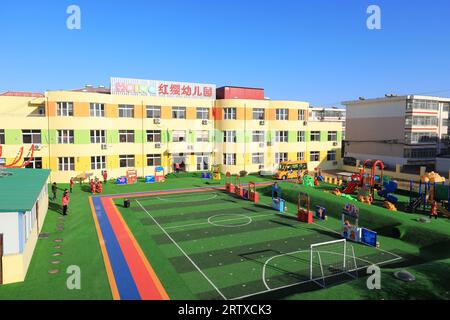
column 402, row 130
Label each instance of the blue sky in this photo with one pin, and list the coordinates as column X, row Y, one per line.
column 318, row 51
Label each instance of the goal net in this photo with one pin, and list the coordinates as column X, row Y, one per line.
column 332, row 258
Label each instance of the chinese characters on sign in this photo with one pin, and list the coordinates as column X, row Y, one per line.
column 156, row 88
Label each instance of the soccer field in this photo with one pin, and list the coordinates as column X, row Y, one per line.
column 223, row 247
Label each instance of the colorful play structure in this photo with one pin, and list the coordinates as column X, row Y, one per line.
column 278, row 203
column 248, row 193
column 215, row 170
column 304, row 214
column 15, row 163
column 159, row 176
column 351, row 229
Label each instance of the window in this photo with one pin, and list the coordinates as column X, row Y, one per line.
column 332, row 135
column 153, row 160
column 280, row 157
column 446, row 106
column 331, row 155
column 314, row 156
column 2, row 136
column 178, row 136
column 315, row 135
column 65, row 136
column 421, row 137
column 35, row 163
column 98, row 136
column 229, row 159
column 126, row 111
column 203, row 136
column 202, row 113
column 258, row 158
column 300, row 136
column 229, row 113
column 422, row 105
column 153, row 112
column 126, row 136
column 98, row 163
column 31, row 136
column 281, row 136
column 301, row 115
column 420, row 153
column 65, row 109
column 281, row 114
column 66, row 164
column 300, row 155
column 445, row 122
column 258, row 136
column 179, row 112
column 421, row 121
column 126, row 161
column 97, row 109
column 258, row 114
column 229, row 136
column 153, row 135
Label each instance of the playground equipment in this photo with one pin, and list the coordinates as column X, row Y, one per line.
column 303, row 205
column 278, row 203
column 206, row 175
column 131, row 176
column 159, row 176
column 291, row 170
column 331, row 180
column 252, row 193
column 355, row 182
column 428, row 192
column 238, row 190
column 15, row 164
column 389, row 187
column 354, row 232
column 321, row 213
column 229, row 187
column 215, row 169
column 308, row 181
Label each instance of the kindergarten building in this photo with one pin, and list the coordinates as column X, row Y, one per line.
column 141, row 124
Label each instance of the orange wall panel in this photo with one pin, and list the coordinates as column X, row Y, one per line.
column 51, row 108
column 293, row 114
column 191, row 113
column 270, row 114
column 81, row 109
column 166, row 112
column 111, row 111
column 138, row 112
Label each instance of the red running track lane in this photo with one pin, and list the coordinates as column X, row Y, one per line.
column 148, row 284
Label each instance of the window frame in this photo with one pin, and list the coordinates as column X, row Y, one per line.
column 124, row 110
column 99, row 162
column 97, row 110
column 64, row 109
column 127, row 134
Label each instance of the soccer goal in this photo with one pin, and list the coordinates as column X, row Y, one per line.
column 332, row 258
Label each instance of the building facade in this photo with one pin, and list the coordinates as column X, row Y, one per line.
column 400, row 130
column 141, row 124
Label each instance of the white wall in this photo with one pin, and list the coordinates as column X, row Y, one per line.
column 9, row 227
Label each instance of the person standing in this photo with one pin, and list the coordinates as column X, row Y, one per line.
column 105, row 176
column 54, row 189
column 71, row 184
column 177, row 167
column 65, row 201
column 433, row 211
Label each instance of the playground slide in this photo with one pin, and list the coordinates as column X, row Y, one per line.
column 351, row 186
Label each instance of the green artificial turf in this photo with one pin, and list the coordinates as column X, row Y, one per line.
column 423, row 247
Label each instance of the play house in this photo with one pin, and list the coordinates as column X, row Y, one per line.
column 278, row 203
column 23, row 207
column 159, row 176
column 352, row 231
column 303, row 205
column 229, row 187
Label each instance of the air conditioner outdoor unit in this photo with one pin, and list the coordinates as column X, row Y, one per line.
column 261, row 123
column 190, row 147
column 204, row 122
column 157, row 121
column 335, row 144
column 305, row 123
column 157, row 145
column 269, row 144
column 261, row 167
column 104, row 146
column 37, row 147
column 262, row 145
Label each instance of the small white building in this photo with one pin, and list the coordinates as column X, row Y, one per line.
column 23, row 207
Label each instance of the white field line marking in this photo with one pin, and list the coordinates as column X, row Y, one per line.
column 305, row 281
column 182, row 251
column 224, row 220
column 217, row 224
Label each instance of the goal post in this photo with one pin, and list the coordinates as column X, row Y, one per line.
column 331, row 258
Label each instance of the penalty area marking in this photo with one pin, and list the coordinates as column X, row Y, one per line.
column 183, row 252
